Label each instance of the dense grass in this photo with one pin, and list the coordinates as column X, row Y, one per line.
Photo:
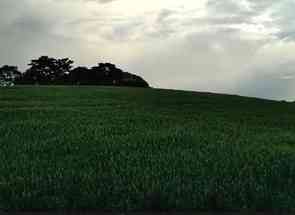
column 136, row 149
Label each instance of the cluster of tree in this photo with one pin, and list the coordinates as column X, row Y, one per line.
column 8, row 75
column 50, row 71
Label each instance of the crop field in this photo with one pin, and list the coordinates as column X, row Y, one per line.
column 144, row 149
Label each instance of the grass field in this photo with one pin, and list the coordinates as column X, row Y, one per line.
column 144, row 149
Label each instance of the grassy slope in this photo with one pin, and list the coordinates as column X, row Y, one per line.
column 123, row 148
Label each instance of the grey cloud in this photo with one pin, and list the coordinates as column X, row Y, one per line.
column 281, row 13
column 261, row 5
column 98, row 1
column 31, row 24
column 165, row 24
column 10, row 10
column 124, row 31
column 218, row 62
column 230, row 9
column 267, row 82
column 199, row 61
column 224, row 7
column 171, row 48
column 141, row 27
column 113, row 28
column 30, row 34
column 164, row 14
column 217, row 22
column 284, row 18
column 233, row 7
column 104, row 1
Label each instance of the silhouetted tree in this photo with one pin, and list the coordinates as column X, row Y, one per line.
column 78, row 75
column 46, row 70
column 133, row 80
column 106, row 74
column 62, row 70
column 8, row 74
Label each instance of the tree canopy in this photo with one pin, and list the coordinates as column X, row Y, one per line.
column 47, row 70
column 8, row 75
column 50, row 71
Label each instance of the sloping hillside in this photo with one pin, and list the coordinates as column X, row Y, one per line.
column 144, row 149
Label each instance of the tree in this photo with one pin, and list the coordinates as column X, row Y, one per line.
column 41, row 70
column 62, row 70
column 78, row 75
column 8, row 75
column 106, row 73
column 46, row 70
column 133, row 80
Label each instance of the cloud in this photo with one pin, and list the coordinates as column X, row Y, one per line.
column 284, row 18
column 277, row 17
column 103, row 1
column 240, row 47
column 270, row 74
column 205, row 60
column 96, row 1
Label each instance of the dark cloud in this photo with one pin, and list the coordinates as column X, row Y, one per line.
column 28, row 33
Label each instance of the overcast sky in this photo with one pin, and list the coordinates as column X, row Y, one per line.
column 244, row 47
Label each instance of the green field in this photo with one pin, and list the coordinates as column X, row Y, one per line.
column 144, row 149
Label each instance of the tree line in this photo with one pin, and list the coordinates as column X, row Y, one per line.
column 51, row 71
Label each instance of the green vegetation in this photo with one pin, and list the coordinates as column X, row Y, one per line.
column 128, row 149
